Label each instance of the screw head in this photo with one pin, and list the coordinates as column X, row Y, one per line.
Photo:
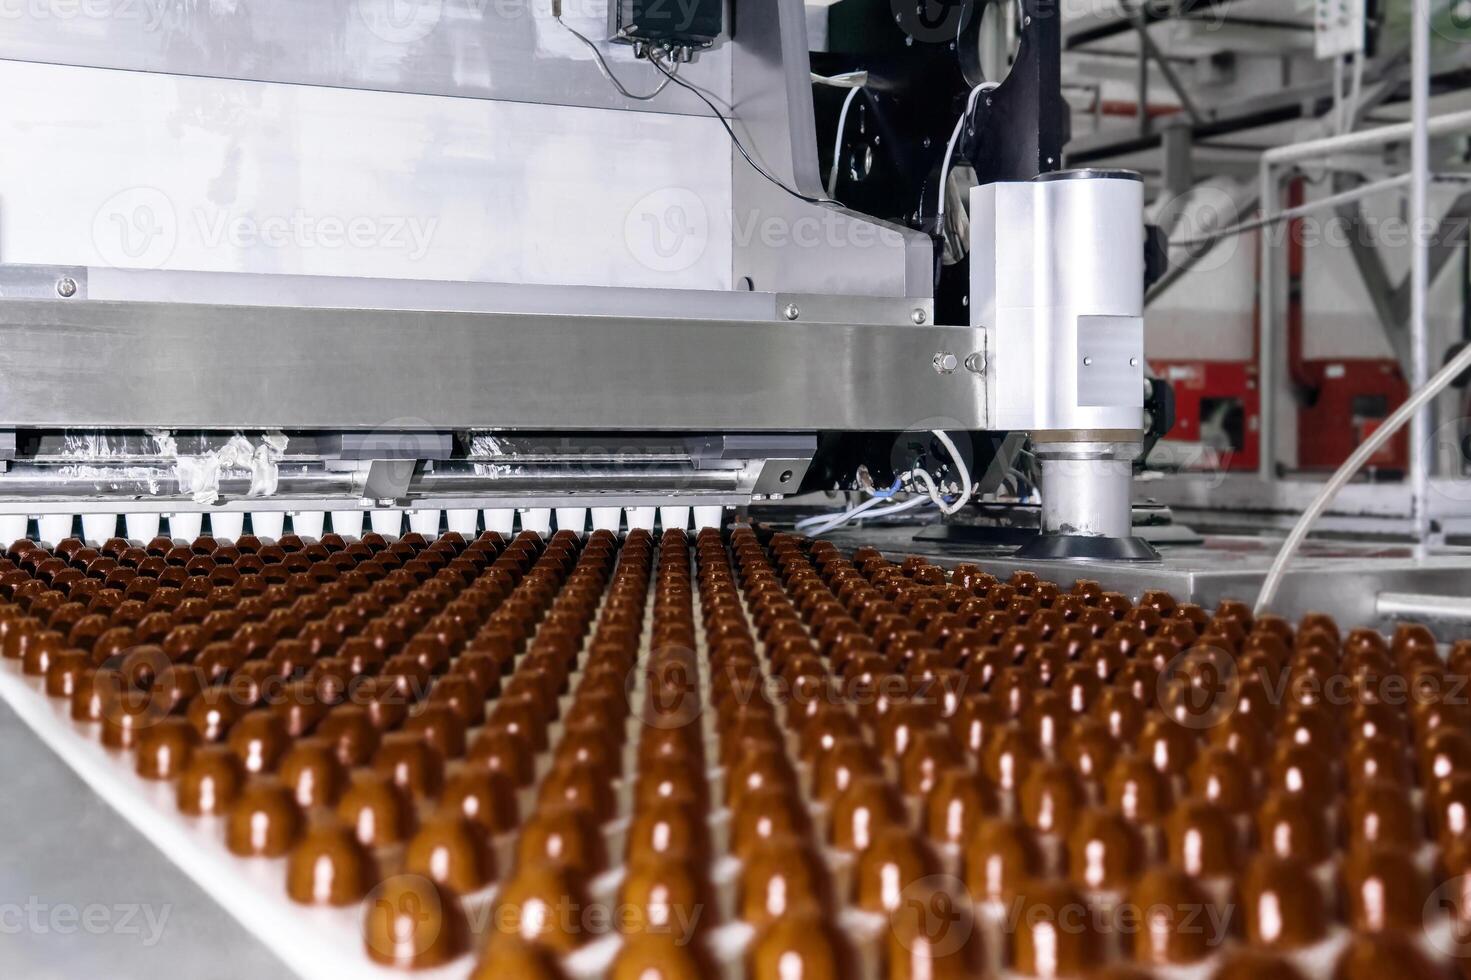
column 66, row 287
column 976, row 363
column 1087, row 362
column 791, row 312
column 919, row 317
column 945, row 362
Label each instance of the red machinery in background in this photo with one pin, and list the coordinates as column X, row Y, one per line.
column 1339, row 401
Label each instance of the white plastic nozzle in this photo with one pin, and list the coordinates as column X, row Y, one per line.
column 348, row 523
column 227, row 526
column 268, row 523
column 388, row 523
column 463, row 521
column 425, row 522
column 55, row 527
column 572, row 519
column 538, row 519
column 185, row 526
column 500, row 520
column 97, row 528
column 13, row 527
column 142, row 527
column 308, row 523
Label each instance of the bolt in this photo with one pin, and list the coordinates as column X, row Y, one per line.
column 919, row 317
column 1133, row 362
column 791, row 312
column 976, row 363
column 945, row 362
column 66, row 287
column 1087, row 362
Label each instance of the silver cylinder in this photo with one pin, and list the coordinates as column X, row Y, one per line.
column 1087, row 488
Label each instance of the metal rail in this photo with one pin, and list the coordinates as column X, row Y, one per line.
column 91, row 364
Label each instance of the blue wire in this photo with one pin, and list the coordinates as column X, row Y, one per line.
column 886, row 494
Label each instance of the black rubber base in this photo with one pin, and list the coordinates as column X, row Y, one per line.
column 1063, row 547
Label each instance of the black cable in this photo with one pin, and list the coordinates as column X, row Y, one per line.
column 735, row 139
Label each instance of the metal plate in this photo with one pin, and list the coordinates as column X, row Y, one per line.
column 357, row 293
column 488, row 49
column 134, row 170
column 137, row 365
column 1341, row 578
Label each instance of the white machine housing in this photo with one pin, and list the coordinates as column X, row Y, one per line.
column 1057, row 277
column 1057, row 280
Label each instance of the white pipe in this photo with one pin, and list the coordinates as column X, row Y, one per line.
column 1267, row 330
column 1415, row 605
column 1331, row 201
column 1364, row 139
column 1352, row 465
column 1420, row 266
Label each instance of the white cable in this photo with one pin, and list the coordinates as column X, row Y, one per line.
column 813, row 527
column 970, row 105
column 848, row 79
column 821, row 524
column 1332, row 201
column 840, row 517
column 930, row 487
column 832, row 177
column 1382, row 434
column 965, row 485
column 898, row 508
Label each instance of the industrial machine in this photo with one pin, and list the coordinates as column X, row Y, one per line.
column 486, row 265
column 532, row 290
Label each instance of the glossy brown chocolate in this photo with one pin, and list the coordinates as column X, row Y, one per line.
column 330, row 866
column 412, row 923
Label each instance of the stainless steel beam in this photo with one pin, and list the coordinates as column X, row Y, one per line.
column 95, row 364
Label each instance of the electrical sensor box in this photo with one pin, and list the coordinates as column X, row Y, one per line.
column 688, row 24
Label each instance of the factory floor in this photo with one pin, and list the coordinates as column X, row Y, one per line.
column 83, row 894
